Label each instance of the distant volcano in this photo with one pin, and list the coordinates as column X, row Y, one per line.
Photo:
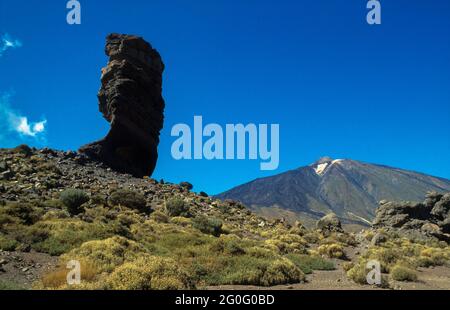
column 349, row 188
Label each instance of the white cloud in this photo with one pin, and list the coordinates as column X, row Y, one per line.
column 28, row 129
column 6, row 42
column 15, row 127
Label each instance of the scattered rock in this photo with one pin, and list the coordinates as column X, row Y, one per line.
column 24, row 150
column 441, row 209
column 378, row 239
column 3, row 166
column 431, row 229
column 330, row 222
column 186, row 185
column 6, row 175
column 427, row 220
column 203, row 194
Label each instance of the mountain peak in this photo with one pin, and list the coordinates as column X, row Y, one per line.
column 320, row 166
column 342, row 186
column 323, row 160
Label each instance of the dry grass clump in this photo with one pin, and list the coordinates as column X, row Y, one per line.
column 289, row 243
column 106, row 255
column 403, row 273
column 129, row 199
column 58, row 278
column 149, row 273
column 400, row 257
column 333, row 250
column 358, row 273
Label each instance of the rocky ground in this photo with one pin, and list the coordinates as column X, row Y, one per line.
column 22, row 269
column 139, row 233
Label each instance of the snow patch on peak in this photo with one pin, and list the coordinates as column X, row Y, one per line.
column 320, row 169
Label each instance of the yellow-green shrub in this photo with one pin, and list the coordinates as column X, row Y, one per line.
column 433, row 257
column 358, row 272
column 129, row 199
column 282, row 271
column 247, row 270
column 403, row 273
column 159, row 217
column 58, row 278
column 105, row 255
column 149, row 273
column 7, row 244
column 332, row 250
column 308, row 263
column 288, row 244
column 181, row 221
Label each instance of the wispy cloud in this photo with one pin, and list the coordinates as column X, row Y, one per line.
column 16, row 128
column 7, row 42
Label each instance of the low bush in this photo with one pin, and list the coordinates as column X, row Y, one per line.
column 57, row 237
column 309, row 263
column 228, row 245
column 58, row 278
column 177, row 207
column 7, row 244
column 73, row 199
column 247, row 270
column 282, row 271
column 332, row 250
column 358, row 272
column 106, row 255
column 9, row 286
column 433, row 257
column 149, row 273
column 208, row 225
column 55, row 214
column 53, row 204
column 259, row 252
column 159, row 217
column 130, row 199
column 25, row 213
column 403, row 273
column 181, row 221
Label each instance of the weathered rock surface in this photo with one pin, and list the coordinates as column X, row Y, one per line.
column 330, row 223
column 429, row 219
column 130, row 99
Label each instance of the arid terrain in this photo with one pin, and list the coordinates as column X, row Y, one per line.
column 139, row 233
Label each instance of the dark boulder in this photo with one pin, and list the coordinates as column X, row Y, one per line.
column 186, row 185
column 427, row 220
column 432, row 198
column 130, row 99
column 441, row 209
column 330, row 223
column 378, row 239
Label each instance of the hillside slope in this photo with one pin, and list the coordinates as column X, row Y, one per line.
column 349, row 188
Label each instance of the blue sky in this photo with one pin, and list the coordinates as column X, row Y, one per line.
column 337, row 86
